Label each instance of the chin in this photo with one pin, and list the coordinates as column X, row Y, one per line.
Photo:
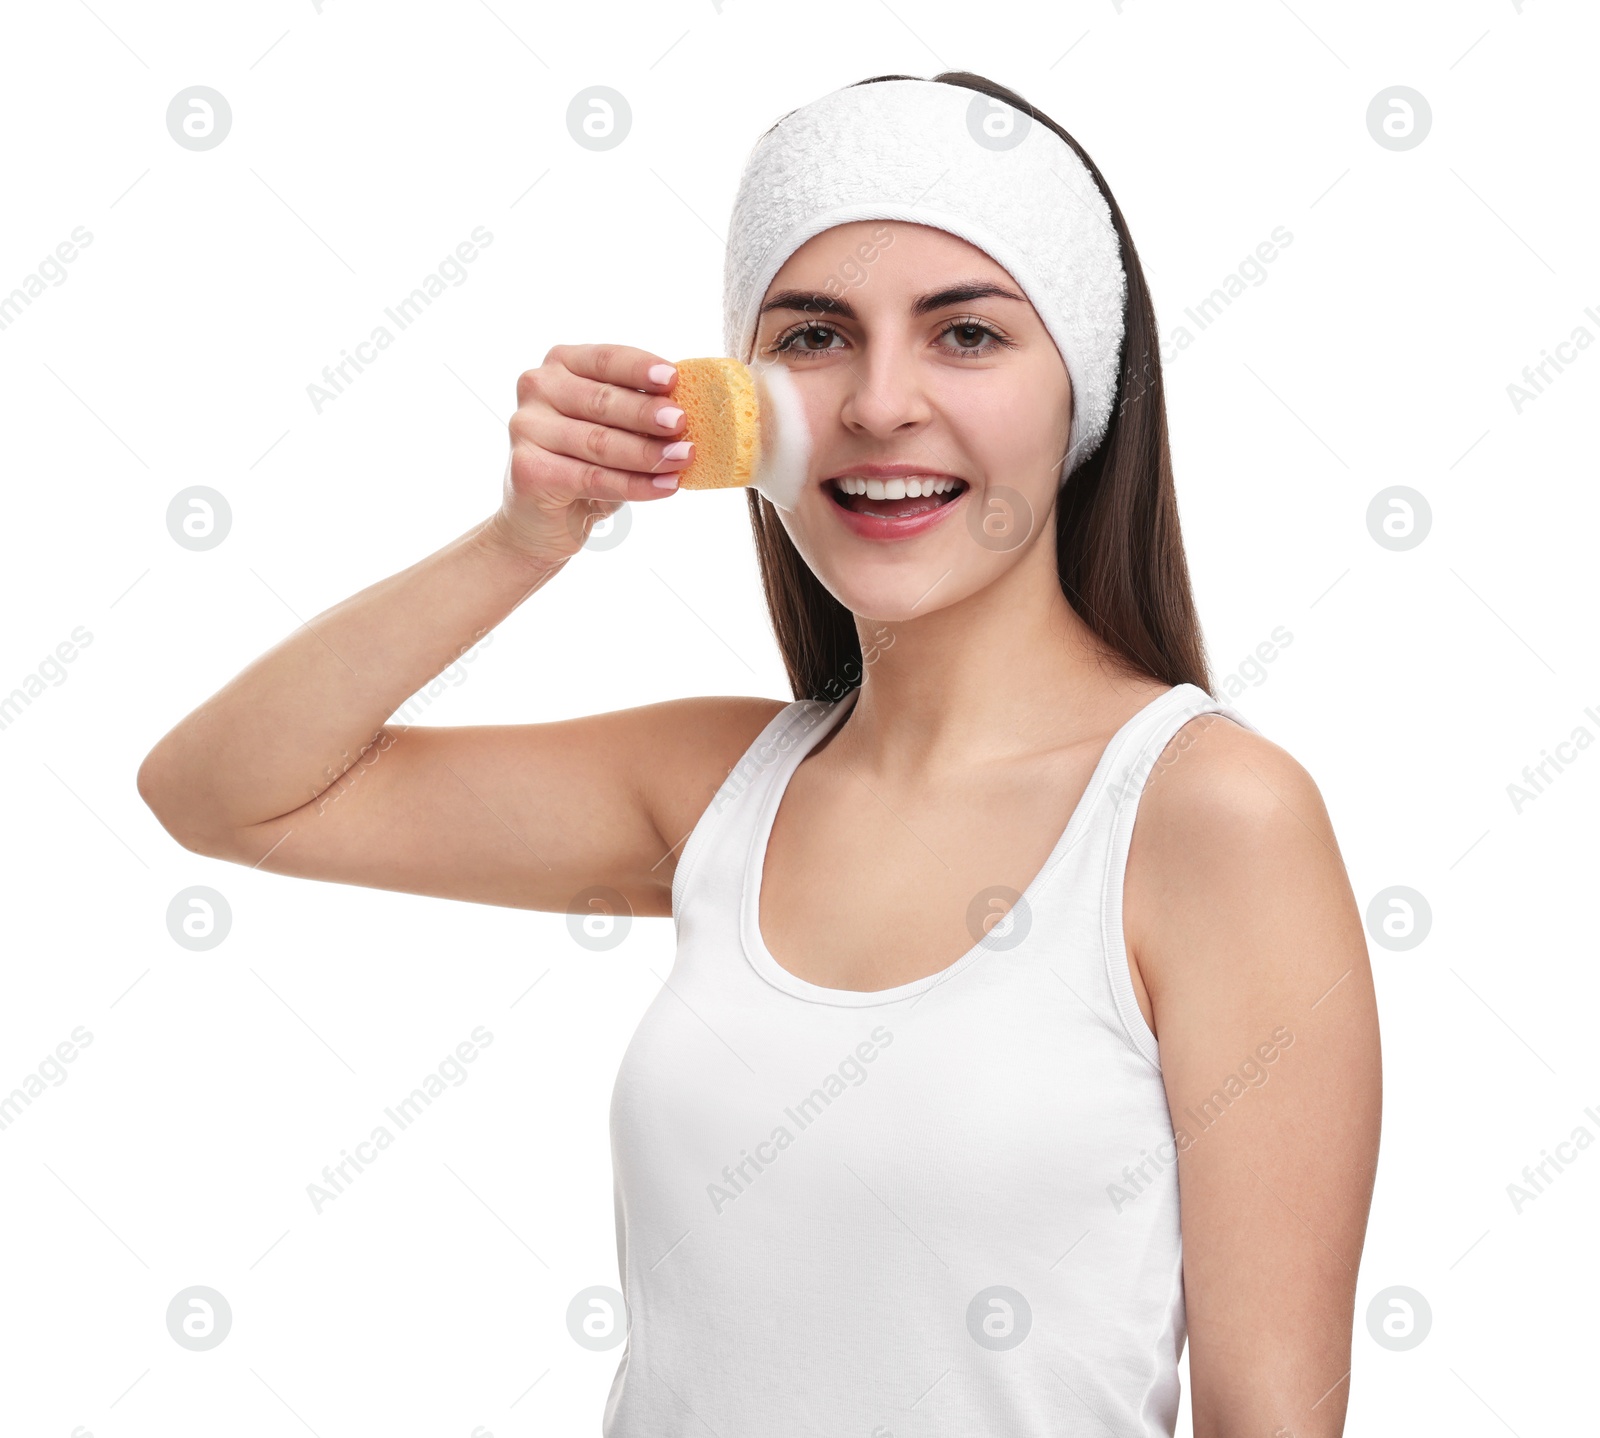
column 892, row 597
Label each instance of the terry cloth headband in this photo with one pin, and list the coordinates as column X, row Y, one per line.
column 957, row 160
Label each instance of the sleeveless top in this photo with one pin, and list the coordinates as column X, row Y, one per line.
column 937, row 1210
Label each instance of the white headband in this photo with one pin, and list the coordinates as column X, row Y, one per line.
column 957, row 160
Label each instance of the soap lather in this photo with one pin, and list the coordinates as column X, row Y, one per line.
column 748, row 427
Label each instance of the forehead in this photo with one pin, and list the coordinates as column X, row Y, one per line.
column 895, row 251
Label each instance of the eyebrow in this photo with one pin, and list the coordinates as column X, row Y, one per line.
column 811, row 302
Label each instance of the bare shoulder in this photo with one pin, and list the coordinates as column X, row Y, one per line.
column 1215, row 776
column 1228, row 819
column 684, row 749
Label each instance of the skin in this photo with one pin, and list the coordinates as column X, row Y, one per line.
column 985, row 706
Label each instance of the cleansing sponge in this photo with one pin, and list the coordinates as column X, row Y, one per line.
column 748, row 428
column 722, row 417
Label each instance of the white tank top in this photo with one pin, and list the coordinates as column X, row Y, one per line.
column 945, row 1208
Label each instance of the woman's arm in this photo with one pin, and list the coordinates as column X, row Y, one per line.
column 1243, row 925
column 280, row 734
column 293, row 766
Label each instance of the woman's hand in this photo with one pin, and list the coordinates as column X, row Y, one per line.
column 584, row 439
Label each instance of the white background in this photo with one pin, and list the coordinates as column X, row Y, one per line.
column 368, row 141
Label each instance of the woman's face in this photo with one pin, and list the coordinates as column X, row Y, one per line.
column 916, row 358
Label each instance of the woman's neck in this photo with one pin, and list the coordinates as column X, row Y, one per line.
column 1012, row 669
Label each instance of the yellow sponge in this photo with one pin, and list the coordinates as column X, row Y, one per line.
column 722, row 417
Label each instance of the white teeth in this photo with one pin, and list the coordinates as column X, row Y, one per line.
column 914, row 486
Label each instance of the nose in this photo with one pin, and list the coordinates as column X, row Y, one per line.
column 886, row 397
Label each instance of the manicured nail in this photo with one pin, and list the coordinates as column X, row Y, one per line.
column 665, row 481
column 668, row 416
column 662, row 373
column 679, row 449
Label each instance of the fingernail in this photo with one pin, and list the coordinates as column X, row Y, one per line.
column 679, row 449
column 668, row 416
column 665, row 481
column 662, row 373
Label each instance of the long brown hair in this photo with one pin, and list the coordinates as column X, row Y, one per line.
column 1119, row 550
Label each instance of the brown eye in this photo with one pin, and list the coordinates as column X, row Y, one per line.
column 805, row 339
column 974, row 337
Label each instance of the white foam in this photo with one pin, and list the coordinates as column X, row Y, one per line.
column 784, row 453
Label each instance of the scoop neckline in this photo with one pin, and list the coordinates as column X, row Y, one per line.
column 755, row 947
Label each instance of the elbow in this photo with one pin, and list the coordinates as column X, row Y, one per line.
column 154, row 788
column 163, row 793
column 150, row 783
column 158, row 788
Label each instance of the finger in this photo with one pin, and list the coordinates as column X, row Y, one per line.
column 561, row 479
column 611, row 404
column 617, row 364
column 603, row 445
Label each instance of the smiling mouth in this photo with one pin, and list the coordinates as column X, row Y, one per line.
column 901, row 497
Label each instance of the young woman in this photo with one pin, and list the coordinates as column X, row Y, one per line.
column 896, row 1149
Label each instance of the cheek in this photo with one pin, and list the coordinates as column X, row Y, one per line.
column 1018, row 419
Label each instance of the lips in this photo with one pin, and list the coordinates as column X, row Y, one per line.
column 893, row 501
